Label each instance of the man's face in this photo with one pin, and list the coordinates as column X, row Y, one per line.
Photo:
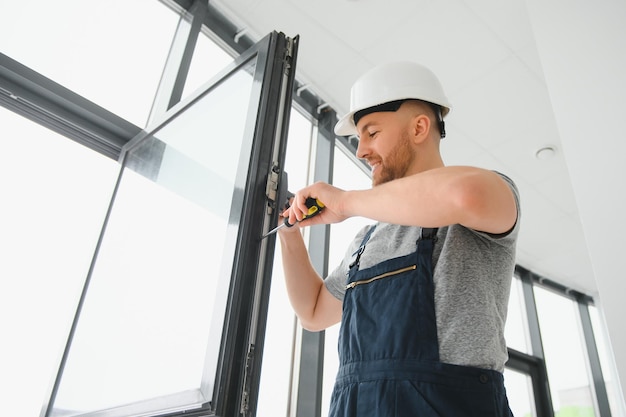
column 384, row 143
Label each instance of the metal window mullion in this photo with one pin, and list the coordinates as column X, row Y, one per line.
column 536, row 342
column 311, row 364
column 599, row 385
column 176, row 69
column 55, row 107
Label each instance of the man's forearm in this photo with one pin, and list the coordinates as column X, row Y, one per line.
column 302, row 281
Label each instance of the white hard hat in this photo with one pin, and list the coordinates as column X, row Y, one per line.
column 391, row 82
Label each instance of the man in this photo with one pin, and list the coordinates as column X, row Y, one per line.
column 422, row 294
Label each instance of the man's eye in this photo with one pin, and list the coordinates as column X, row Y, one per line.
column 372, row 134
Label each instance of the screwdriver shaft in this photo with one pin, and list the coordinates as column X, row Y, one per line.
column 315, row 207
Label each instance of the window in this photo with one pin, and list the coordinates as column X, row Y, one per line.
column 55, row 193
column 565, row 357
column 180, row 265
column 208, row 60
column 64, row 41
column 520, row 393
column 519, row 385
column 515, row 331
column 280, row 333
column 157, row 292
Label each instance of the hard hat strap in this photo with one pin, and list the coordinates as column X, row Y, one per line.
column 442, row 125
column 393, row 106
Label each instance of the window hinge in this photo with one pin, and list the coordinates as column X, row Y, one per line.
column 247, row 376
column 288, row 55
column 271, row 187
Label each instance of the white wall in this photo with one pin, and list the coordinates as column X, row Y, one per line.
column 582, row 45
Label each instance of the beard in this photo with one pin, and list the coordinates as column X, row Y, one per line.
column 396, row 164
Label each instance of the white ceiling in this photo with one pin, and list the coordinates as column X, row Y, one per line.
column 485, row 55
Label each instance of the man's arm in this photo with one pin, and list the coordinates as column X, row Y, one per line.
column 314, row 305
column 476, row 198
column 473, row 197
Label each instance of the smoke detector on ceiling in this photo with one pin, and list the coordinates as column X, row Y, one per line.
column 547, row 152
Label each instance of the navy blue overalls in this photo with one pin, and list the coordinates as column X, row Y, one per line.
column 388, row 349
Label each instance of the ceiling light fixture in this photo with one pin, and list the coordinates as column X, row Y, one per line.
column 546, row 152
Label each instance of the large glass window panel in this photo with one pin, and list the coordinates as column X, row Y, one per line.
column 207, row 61
column 149, row 330
column 516, row 329
column 54, row 198
column 278, row 354
column 111, row 52
column 564, row 354
column 520, row 393
column 346, row 175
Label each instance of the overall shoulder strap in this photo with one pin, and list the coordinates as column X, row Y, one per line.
column 428, row 233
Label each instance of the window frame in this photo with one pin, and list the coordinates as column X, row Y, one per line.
column 534, row 364
column 236, row 383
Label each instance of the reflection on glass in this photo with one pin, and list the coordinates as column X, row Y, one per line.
column 153, row 315
column 516, row 329
column 520, row 393
column 564, row 354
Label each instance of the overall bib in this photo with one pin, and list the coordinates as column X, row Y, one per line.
column 389, row 353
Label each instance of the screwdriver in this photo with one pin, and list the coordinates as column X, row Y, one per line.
column 315, row 207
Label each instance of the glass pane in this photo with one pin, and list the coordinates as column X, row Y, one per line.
column 152, row 320
column 207, row 61
column 565, row 357
column 516, row 329
column 55, row 193
column 71, row 42
column 281, row 320
column 519, row 391
column 346, row 175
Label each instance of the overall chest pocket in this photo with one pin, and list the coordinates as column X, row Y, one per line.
column 399, row 271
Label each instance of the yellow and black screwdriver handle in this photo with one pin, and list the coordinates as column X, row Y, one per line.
column 315, row 207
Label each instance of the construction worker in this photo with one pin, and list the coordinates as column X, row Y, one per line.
column 421, row 294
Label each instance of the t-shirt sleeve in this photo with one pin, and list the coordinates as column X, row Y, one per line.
column 510, row 235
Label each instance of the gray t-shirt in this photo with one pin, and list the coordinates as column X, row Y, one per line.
column 472, row 275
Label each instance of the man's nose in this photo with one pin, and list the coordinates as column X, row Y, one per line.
column 362, row 150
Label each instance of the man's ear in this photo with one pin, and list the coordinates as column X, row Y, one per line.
column 420, row 126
